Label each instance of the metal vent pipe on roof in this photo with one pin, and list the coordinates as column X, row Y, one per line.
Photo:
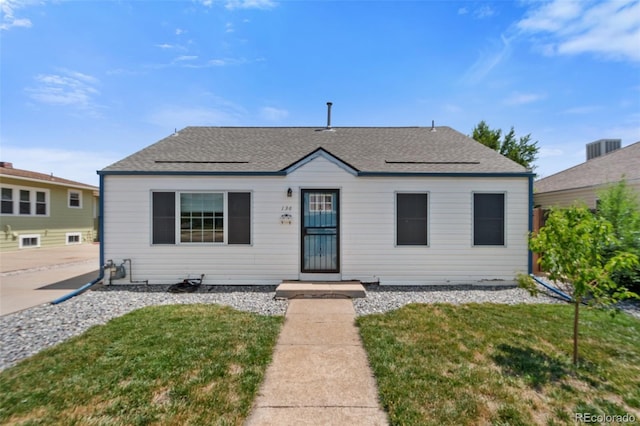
column 329, row 114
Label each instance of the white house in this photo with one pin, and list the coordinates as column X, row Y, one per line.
column 398, row 206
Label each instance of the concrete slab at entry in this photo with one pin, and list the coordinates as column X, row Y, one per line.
column 326, row 290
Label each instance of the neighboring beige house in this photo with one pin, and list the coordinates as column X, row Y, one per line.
column 582, row 183
column 41, row 210
column 248, row 205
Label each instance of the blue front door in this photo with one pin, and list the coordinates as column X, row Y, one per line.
column 320, row 230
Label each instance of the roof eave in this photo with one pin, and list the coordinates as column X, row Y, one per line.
column 448, row 174
column 77, row 185
column 286, row 172
column 188, row 173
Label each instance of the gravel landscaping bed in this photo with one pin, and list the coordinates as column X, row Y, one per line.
column 27, row 332
column 385, row 298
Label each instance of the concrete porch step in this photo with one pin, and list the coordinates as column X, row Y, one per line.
column 320, row 289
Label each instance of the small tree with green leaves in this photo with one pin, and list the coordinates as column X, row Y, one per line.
column 572, row 243
column 619, row 205
column 523, row 151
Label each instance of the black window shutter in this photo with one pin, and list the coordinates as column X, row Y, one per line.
column 239, row 217
column 164, row 218
column 411, row 219
column 488, row 219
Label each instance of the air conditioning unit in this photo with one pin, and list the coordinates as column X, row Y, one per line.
column 602, row 147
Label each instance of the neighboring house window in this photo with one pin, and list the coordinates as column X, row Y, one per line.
column 488, row 219
column 74, row 238
column 7, row 201
column 75, row 199
column 41, row 203
column 24, row 201
column 27, row 241
column 411, row 219
column 200, row 217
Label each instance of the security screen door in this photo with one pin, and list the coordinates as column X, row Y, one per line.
column 320, row 231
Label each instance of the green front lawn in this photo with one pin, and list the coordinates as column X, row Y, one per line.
column 182, row 364
column 503, row 365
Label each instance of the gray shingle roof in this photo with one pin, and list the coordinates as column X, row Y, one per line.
column 273, row 149
column 600, row 170
column 49, row 178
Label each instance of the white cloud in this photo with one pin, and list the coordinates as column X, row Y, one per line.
column 185, row 58
column 66, row 88
column 190, row 61
column 241, row 4
column 610, row 29
column 9, row 19
column 524, row 98
column 223, row 113
column 484, row 11
column 550, row 152
column 273, row 114
column 488, row 60
column 480, row 12
column 580, row 110
column 77, row 165
column 250, row 4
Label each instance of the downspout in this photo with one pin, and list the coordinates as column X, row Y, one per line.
column 530, row 256
column 101, row 233
column 548, row 286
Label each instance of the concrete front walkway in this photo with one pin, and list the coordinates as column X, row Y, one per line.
column 319, row 374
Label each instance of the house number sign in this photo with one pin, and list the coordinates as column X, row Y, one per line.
column 286, row 218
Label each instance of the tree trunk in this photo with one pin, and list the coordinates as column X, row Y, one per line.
column 575, row 330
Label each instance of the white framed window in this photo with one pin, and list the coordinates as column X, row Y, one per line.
column 41, row 203
column 202, row 217
column 24, row 201
column 188, row 217
column 74, row 238
column 75, row 199
column 320, row 202
column 7, row 201
column 29, row 241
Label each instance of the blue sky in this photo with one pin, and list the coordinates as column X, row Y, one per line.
column 86, row 83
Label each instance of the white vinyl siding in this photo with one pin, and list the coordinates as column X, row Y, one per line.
column 368, row 250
